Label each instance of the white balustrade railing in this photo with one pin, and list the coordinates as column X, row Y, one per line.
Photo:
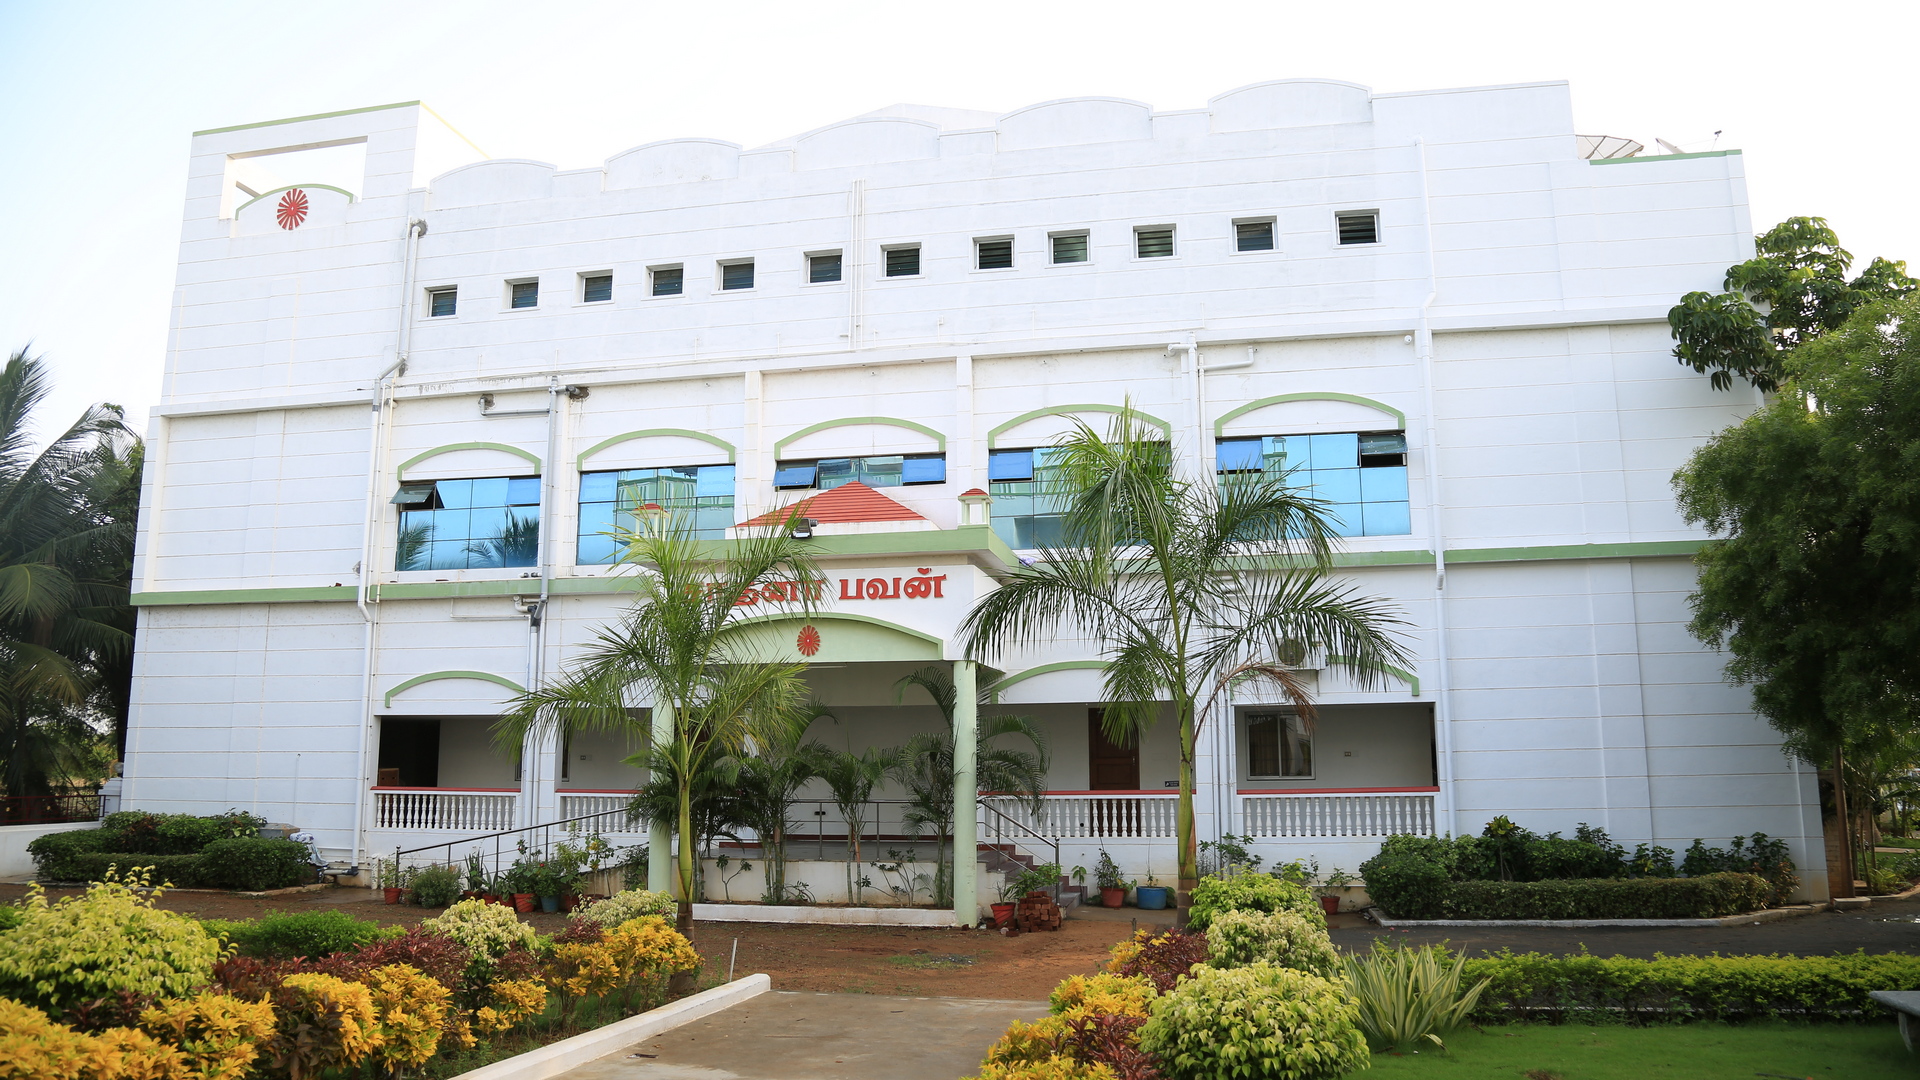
column 1105, row 817
column 611, row 803
column 476, row 811
column 1333, row 814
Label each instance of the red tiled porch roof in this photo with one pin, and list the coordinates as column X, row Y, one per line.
column 847, row 503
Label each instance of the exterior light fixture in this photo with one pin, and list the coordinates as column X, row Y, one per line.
column 802, row 529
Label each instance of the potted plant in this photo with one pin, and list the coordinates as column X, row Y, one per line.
column 519, row 883
column 1329, row 890
column 547, row 884
column 476, row 877
column 1010, row 893
column 1106, row 874
column 404, row 877
column 1152, row 896
column 386, row 878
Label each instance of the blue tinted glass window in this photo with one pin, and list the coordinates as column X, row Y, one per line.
column 1239, row 455
column 1384, row 485
column 455, row 492
column 714, row 480
column 1337, row 485
column 924, row 470
column 878, row 470
column 1385, row 519
column 1361, row 477
column 695, row 497
column 1010, row 465
column 471, row 525
column 490, row 492
column 522, row 491
column 1335, row 451
column 597, row 487
column 794, row 476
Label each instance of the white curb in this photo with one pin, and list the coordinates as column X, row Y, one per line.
column 832, row 916
column 556, row 1058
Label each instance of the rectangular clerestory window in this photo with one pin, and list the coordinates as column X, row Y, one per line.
column 993, row 254
column 442, row 302
column 1362, row 476
column 736, row 275
column 1068, row 247
column 1153, row 242
column 468, row 524
column 1359, row 226
column 697, row 498
column 903, row 261
column 878, row 470
column 596, row 288
column 1253, row 235
column 668, row 280
column 1279, row 746
column 523, row 294
column 823, row 267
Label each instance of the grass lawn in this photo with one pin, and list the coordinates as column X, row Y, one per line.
column 1680, row 1052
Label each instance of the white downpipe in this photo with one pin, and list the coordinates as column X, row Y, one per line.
column 376, row 453
column 1444, row 813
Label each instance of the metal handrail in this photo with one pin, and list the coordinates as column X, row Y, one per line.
column 497, row 858
column 1000, row 834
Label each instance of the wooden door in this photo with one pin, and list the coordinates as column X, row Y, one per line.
column 1110, row 767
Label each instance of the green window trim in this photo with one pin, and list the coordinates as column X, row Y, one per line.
column 993, row 436
column 1220, row 425
column 436, row 676
column 649, row 433
column 524, row 455
column 780, row 447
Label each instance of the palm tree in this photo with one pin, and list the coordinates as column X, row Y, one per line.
column 681, row 647
column 850, row 778
column 925, row 766
column 66, row 548
column 780, row 760
column 1186, row 587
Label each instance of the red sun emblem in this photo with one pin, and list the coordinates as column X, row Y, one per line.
column 292, row 210
column 809, row 640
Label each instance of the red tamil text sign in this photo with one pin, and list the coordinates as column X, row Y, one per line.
column 925, row 585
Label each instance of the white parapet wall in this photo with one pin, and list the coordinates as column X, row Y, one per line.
column 15, row 862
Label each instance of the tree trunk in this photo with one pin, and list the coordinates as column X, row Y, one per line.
column 1845, row 821
column 1189, row 872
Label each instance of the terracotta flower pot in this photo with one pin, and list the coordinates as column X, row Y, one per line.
column 1002, row 915
column 523, row 902
column 470, row 895
column 392, row 895
column 1112, row 897
column 1330, row 905
column 569, row 901
column 489, row 898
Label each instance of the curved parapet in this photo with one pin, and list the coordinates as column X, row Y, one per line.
column 496, row 181
column 867, row 141
column 1075, row 121
column 1289, row 103
column 673, row 161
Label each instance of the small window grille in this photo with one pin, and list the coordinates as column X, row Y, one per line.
column 444, row 301
column 1360, row 227
column 903, row 261
column 668, row 280
column 823, row 268
column 738, row 275
column 994, row 254
column 597, row 288
column 1253, row 235
column 1070, row 248
column 526, row 294
column 1153, row 243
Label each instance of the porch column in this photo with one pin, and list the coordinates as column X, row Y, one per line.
column 659, row 832
column 966, row 795
column 546, row 777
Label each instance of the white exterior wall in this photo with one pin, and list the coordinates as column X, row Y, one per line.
column 1570, row 690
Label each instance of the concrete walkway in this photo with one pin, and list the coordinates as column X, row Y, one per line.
column 808, row 1036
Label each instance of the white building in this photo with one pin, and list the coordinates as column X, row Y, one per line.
column 1431, row 301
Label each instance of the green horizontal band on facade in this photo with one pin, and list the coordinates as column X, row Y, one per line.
column 301, row 119
column 1661, row 157
column 965, row 540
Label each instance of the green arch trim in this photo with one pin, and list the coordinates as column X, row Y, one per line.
column 650, row 433
column 1063, row 665
column 290, row 187
column 436, row 676
column 993, row 437
column 1412, row 680
column 836, row 616
column 780, row 447
column 1325, row 395
column 531, row 458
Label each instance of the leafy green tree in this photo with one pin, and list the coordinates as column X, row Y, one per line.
column 681, row 646
column 851, row 778
column 779, row 761
column 1813, row 588
column 66, row 550
column 1793, row 290
column 925, row 767
column 1185, row 586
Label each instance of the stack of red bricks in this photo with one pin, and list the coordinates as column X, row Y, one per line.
column 1037, row 912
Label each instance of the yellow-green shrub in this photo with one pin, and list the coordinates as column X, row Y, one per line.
column 95, row 945
column 1029, row 1044
column 1119, row 995
column 1256, row 1022
column 512, row 1001
column 1053, row 1068
column 1281, row 938
column 217, row 1036
column 410, row 1011
column 489, row 930
column 324, row 1023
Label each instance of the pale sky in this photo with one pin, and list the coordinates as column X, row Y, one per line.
column 101, row 98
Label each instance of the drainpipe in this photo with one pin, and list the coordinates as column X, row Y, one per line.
column 1445, row 816
column 364, row 599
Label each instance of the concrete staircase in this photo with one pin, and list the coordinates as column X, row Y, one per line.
column 1009, row 859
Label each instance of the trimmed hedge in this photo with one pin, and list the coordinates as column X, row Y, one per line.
column 1587, row 988
column 249, row 864
column 1706, row 897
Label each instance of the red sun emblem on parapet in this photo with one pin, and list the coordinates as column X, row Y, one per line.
column 809, row 640
column 292, row 210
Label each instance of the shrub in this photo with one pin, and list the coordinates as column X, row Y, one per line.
column 1757, row 854
column 307, row 934
column 1407, row 994
column 1053, row 1068
column 1282, row 938
column 436, row 886
column 435, row 955
column 622, row 906
column 10, row 916
column 1251, row 892
column 1119, row 995
column 1256, row 1021
column 1407, row 885
column 54, row 853
column 34, row 1047
column 510, row 1001
column 322, row 1023
column 253, row 863
column 217, row 1036
column 1683, row 988
column 108, row 940
column 487, row 930
column 410, row 1011
column 1162, row 960
column 1706, row 897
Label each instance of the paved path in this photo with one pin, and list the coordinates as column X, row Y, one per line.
column 810, row 1036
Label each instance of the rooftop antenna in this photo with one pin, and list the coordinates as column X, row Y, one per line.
column 1716, row 139
column 1669, row 147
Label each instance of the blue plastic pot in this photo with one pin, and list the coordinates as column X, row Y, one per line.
column 550, row 903
column 1151, row 897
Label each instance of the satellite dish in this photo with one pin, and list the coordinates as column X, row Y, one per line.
column 1602, row 147
column 1669, row 147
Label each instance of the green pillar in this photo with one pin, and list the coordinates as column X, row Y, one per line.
column 660, row 833
column 966, row 795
